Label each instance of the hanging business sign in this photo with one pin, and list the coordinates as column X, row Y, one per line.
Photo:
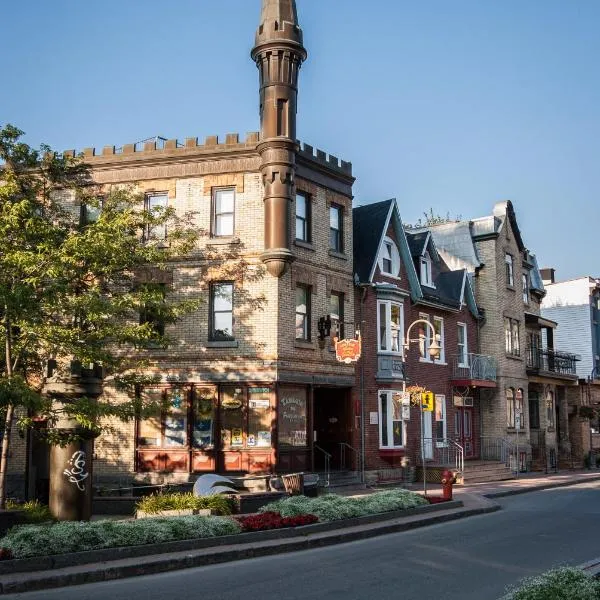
column 348, row 351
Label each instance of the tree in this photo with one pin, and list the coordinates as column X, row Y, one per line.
column 430, row 218
column 76, row 273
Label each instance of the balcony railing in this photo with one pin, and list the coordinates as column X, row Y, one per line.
column 478, row 367
column 552, row 361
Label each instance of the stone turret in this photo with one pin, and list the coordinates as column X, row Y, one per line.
column 278, row 53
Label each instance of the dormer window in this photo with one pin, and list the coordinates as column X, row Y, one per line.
column 426, row 274
column 389, row 258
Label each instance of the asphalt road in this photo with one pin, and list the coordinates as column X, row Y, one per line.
column 471, row 559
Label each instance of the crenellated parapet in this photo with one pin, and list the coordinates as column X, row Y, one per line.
column 322, row 158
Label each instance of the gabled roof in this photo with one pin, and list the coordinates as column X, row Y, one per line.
column 448, row 289
column 371, row 223
column 417, row 242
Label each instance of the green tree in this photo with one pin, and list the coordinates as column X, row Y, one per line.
column 430, row 218
column 76, row 267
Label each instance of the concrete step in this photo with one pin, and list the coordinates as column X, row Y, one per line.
column 488, row 478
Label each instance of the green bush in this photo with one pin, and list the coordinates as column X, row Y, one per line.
column 72, row 536
column 220, row 505
column 34, row 511
column 559, row 584
column 333, row 507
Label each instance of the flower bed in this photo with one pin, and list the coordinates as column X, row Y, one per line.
column 273, row 520
column 158, row 503
column 333, row 507
column 558, row 584
column 39, row 540
column 33, row 511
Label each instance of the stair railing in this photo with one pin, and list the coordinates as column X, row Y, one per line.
column 327, row 462
column 501, row 450
column 344, row 449
column 443, row 452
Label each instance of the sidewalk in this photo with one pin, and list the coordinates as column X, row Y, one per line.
column 472, row 500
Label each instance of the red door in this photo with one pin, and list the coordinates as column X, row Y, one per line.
column 463, row 426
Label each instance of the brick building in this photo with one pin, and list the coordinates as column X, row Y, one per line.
column 402, row 281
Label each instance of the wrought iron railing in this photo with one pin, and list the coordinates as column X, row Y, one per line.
column 478, row 366
column 552, row 361
column 326, row 462
column 345, row 450
column 501, row 450
column 443, row 452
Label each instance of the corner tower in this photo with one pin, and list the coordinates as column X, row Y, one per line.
column 279, row 54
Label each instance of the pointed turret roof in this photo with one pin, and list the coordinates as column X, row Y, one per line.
column 278, row 22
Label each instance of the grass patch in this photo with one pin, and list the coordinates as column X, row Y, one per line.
column 156, row 503
column 33, row 511
column 559, row 584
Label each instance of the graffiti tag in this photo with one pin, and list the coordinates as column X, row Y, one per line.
column 77, row 473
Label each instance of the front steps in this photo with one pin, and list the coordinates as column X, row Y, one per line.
column 484, row 471
column 342, row 481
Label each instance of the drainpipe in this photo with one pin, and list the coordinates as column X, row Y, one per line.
column 363, row 288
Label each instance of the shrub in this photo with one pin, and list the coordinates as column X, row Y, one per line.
column 37, row 540
column 220, row 505
column 273, row 520
column 333, row 507
column 559, row 584
column 33, row 511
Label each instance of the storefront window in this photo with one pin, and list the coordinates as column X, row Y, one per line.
column 176, row 419
column 232, row 417
column 204, row 417
column 259, row 418
column 292, row 418
column 150, row 428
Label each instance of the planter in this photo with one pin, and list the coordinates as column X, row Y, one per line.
column 186, row 512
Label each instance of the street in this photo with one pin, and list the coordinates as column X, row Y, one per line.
column 471, row 559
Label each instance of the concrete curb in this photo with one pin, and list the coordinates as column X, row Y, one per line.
column 303, row 540
column 592, row 567
column 537, row 488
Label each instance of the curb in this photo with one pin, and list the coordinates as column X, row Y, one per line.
column 592, row 567
column 538, row 488
column 131, row 567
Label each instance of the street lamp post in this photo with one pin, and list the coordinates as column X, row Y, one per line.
column 434, row 353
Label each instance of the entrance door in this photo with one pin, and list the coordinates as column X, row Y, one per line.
column 463, row 425
column 427, row 435
column 332, row 430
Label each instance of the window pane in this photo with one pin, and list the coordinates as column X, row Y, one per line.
column 300, row 229
column 176, row 419
column 259, row 418
column 383, row 345
column 149, row 430
column 383, row 419
column 224, row 224
column 232, row 416
column 301, row 299
column 334, row 217
column 396, row 327
column 292, row 418
column 204, row 417
column 223, row 324
column 223, row 296
column 224, row 201
column 156, row 202
column 334, row 306
column 300, row 206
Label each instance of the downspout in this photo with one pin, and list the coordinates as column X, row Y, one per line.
column 363, row 296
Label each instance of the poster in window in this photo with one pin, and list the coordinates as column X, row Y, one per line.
column 259, row 415
column 263, row 439
column 251, row 440
column 237, row 437
column 292, row 417
column 174, row 431
column 204, row 418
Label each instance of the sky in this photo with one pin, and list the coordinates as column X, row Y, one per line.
column 446, row 106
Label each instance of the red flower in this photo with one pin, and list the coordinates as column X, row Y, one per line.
column 273, row 520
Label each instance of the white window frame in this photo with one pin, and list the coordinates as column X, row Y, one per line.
column 156, row 232
column 424, row 344
column 215, row 215
column 389, row 330
column 426, row 270
column 442, row 341
column 394, row 257
column 441, row 399
column 510, row 271
column 389, row 421
column 525, row 282
column 465, row 345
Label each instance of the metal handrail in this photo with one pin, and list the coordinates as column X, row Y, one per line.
column 478, row 366
column 500, row 449
column 445, row 451
column 343, row 447
column 327, row 457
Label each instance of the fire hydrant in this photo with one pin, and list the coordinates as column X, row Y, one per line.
column 448, row 480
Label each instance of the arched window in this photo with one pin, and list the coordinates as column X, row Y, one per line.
column 510, row 407
column 389, row 258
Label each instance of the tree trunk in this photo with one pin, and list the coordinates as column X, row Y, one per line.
column 4, row 456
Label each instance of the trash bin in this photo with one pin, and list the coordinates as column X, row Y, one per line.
column 293, row 483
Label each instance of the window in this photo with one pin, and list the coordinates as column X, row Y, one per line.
column 424, row 338
column 335, row 228
column 534, row 411
column 155, row 205
column 463, row 351
column 510, row 279
column 440, row 419
column 90, row 213
column 426, row 274
column 302, row 312
column 519, row 414
column 221, row 311
column 550, row 409
column 292, row 417
column 511, row 335
column 390, row 326
column 392, row 428
column 223, row 212
column 438, row 325
column 336, row 312
column 510, row 407
column 389, row 258
column 525, row 281
column 303, row 222
column 153, row 295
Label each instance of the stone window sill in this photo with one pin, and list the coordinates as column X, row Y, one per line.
column 222, row 344
column 303, row 244
column 223, row 241
column 304, row 345
column 514, row 357
column 339, row 255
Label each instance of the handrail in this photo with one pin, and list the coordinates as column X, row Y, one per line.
column 343, row 447
column 500, row 449
column 327, row 457
column 445, row 451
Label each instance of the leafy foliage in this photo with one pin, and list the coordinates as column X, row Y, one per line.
column 332, row 507
column 34, row 511
column 220, row 505
column 39, row 540
column 559, row 584
column 430, row 218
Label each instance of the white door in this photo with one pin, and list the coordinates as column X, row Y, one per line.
column 427, row 435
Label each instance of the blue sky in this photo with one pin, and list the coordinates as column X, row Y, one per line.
column 445, row 105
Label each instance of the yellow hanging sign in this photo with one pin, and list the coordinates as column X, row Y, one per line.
column 427, row 401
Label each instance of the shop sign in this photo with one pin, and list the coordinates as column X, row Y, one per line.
column 258, row 403
column 348, row 351
column 405, row 413
column 374, row 418
column 231, row 402
column 237, row 437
